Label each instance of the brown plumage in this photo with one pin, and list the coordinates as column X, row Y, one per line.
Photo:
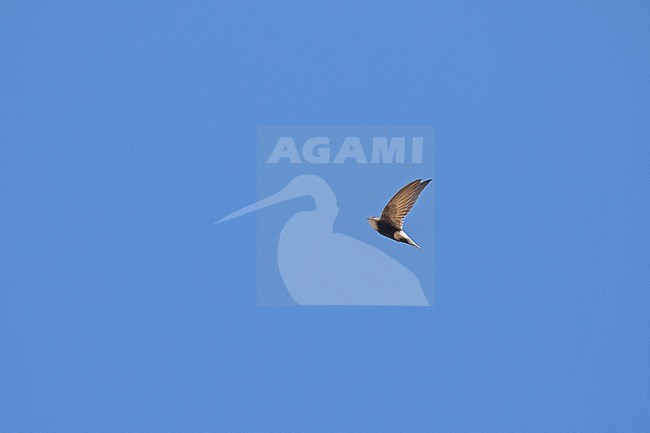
column 391, row 222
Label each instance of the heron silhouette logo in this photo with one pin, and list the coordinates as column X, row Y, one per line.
column 307, row 255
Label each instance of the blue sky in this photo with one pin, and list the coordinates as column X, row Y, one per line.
column 127, row 129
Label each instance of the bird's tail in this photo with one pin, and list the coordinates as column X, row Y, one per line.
column 410, row 242
column 406, row 239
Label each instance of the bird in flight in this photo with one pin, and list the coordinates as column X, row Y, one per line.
column 391, row 221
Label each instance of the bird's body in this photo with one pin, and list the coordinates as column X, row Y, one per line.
column 391, row 222
column 386, row 229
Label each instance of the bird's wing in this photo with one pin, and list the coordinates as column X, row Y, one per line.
column 402, row 202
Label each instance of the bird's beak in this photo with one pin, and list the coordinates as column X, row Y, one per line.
column 282, row 195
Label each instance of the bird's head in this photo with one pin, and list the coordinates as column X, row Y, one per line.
column 373, row 222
